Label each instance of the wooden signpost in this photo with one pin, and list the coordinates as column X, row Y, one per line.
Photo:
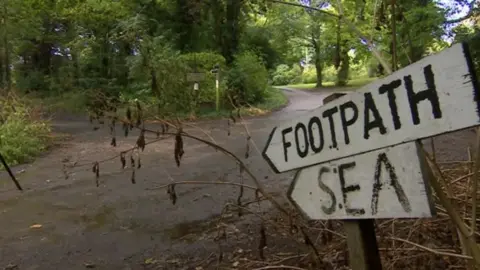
column 432, row 96
column 386, row 183
column 359, row 156
column 195, row 77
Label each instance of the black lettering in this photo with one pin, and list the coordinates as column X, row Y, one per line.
column 285, row 143
column 329, row 113
column 377, row 122
column 349, row 122
column 301, row 153
column 315, row 120
column 430, row 94
column 345, row 189
column 389, row 89
column 327, row 210
column 377, row 185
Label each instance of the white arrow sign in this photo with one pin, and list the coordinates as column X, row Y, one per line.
column 387, row 183
column 435, row 95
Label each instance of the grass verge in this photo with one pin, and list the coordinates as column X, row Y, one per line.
column 23, row 134
column 274, row 100
column 75, row 103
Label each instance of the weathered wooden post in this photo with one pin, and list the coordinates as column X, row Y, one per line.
column 357, row 157
column 361, row 238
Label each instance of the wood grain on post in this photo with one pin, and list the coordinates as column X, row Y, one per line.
column 361, row 239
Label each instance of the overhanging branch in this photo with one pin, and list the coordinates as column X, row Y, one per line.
column 303, row 6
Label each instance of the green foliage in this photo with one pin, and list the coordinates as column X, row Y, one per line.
column 470, row 35
column 257, row 39
column 248, row 78
column 285, row 75
column 309, row 75
column 21, row 136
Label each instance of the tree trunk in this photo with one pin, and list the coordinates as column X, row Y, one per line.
column 6, row 56
column 342, row 74
column 218, row 11
column 230, row 46
column 318, row 63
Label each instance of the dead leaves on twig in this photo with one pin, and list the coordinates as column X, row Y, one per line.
column 122, row 160
column 125, row 129
column 178, row 152
column 247, row 150
column 141, row 140
column 129, row 114
column 228, row 127
column 96, row 171
column 172, row 194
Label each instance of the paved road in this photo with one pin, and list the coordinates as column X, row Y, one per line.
column 118, row 225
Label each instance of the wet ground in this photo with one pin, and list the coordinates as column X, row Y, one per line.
column 59, row 223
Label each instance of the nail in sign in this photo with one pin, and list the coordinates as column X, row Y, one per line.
column 386, row 183
column 435, row 95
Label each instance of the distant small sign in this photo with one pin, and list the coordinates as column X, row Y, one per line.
column 195, row 77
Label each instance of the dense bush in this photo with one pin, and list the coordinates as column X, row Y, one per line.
column 22, row 136
column 329, row 74
column 309, row 75
column 284, row 75
column 248, row 78
column 204, row 62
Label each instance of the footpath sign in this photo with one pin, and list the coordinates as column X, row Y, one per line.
column 359, row 155
column 386, row 183
column 435, row 95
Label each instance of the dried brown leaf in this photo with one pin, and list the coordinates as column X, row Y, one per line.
column 178, row 151
column 141, row 140
column 228, row 127
column 129, row 114
column 133, row 177
column 247, row 150
column 122, row 159
column 65, row 172
column 96, row 171
column 114, row 142
column 125, row 129
column 172, row 194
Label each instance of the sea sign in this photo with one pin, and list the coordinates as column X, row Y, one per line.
column 435, row 95
column 386, row 183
